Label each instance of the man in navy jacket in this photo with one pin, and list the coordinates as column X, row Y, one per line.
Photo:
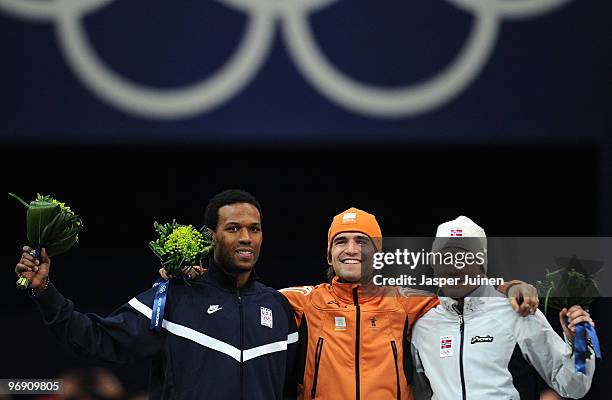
column 225, row 335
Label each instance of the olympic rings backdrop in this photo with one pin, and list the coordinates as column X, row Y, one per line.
column 302, row 70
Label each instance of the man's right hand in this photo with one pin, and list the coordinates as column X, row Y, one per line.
column 35, row 270
column 195, row 271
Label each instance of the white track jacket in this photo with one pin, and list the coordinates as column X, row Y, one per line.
column 465, row 356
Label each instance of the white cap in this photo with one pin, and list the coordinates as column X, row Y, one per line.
column 461, row 232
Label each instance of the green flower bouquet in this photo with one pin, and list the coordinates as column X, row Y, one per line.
column 574, row 283
column 180, row 247
column 50, row 224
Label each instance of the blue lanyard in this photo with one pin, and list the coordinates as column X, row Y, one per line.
column 159, row 303
column 581, row 332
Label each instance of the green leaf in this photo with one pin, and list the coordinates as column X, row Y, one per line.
column 19, row 199
column 61, row 233
column 547, row 298
column 157, row 250
column 52, row 231
column 39, row 215
column 62, row 245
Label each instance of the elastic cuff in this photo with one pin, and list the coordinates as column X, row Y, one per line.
column 50, row 302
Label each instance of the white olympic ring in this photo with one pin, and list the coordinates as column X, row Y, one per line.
column 240, row 69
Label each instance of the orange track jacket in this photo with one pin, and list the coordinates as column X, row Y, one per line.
column 355, row 340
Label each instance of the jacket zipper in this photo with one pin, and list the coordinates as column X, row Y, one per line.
column 241, row 342
column 461, row 329
column 358, row 329
column 397, row 378
column 318, row 352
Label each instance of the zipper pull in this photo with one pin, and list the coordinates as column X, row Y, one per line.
column 461, row 322
column 238, row 296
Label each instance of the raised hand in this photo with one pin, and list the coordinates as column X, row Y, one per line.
column 574, row 315
column 34, row 269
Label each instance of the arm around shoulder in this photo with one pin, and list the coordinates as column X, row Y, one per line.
column 298, row 297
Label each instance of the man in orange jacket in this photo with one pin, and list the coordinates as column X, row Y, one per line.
column 355, row 335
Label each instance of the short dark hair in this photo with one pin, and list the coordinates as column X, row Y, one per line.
column 330, row 273
column 225, row 198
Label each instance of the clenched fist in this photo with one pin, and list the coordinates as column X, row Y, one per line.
column 34, row 269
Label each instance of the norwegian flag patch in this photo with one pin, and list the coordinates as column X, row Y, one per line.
column 446, row 346
column 456, row 232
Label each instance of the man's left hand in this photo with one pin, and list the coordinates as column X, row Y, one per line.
column 574, row 315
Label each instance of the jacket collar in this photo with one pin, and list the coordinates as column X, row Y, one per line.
column 473, row 302
column 355, row 293
column 218, row 275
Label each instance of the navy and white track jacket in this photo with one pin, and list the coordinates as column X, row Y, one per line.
column 217, row 342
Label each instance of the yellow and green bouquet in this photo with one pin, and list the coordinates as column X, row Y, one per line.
column 180, row 247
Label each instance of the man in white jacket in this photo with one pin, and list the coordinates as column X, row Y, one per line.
column 462, row 348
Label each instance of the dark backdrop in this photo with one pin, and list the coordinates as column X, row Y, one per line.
column 510, row 191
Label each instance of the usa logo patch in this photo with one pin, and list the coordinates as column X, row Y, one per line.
column 266, row 317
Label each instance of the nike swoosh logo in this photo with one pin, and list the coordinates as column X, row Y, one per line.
column 213, row 309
